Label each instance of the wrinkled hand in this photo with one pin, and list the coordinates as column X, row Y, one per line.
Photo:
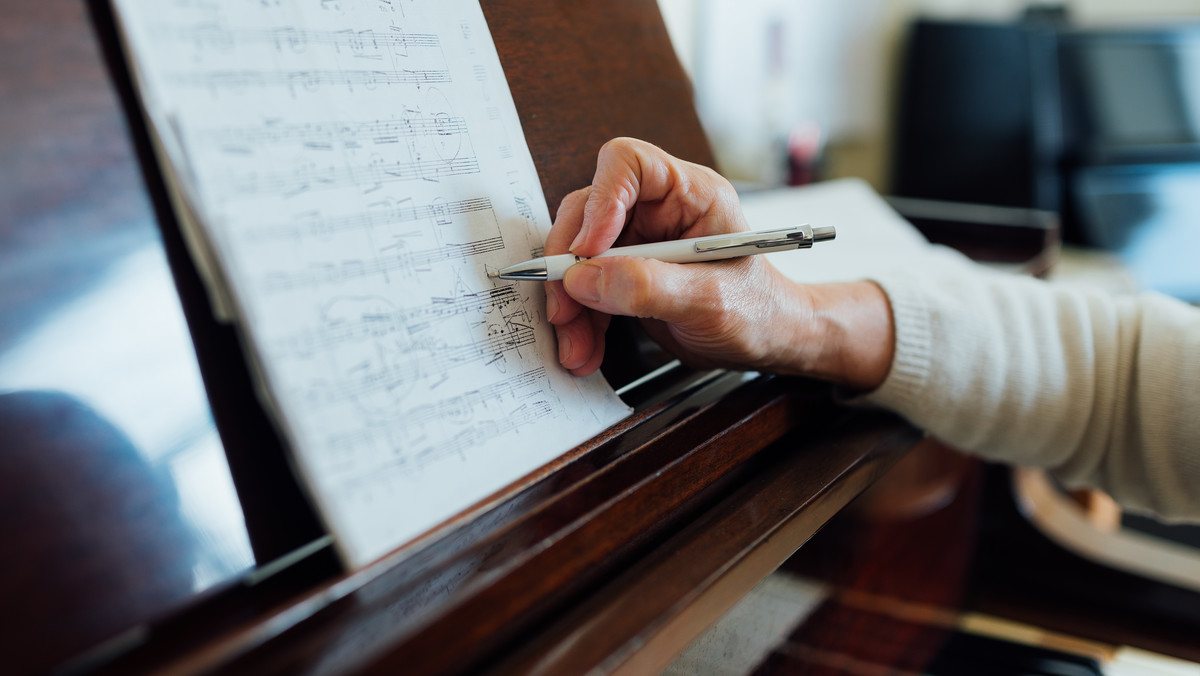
column 739, row 313
column 707, row 314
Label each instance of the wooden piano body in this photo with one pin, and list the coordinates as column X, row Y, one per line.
column 621, row 551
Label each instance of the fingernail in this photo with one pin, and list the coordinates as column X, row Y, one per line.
column 584, row 281
column 551, row 304
column 564, row 348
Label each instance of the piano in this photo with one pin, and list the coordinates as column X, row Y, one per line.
column 150, row 517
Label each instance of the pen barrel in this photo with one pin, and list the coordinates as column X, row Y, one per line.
column 556, row 266
column 679, row 251
column 676, row 251
column 696, row 250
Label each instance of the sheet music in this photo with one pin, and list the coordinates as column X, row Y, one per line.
column 356, row 166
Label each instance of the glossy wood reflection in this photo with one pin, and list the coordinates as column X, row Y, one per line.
column 101, row 403
column 96, row 540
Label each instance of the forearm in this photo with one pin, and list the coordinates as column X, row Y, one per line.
column 1104, row 392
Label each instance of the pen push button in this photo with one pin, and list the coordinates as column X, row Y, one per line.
column 796, row 237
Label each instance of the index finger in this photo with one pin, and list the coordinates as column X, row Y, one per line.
column 675, row 197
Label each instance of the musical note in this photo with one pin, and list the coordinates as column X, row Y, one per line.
column 378, row 318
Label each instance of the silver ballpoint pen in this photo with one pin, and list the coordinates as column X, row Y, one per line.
column 696, row 250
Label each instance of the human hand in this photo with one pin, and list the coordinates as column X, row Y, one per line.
column 739, row 313
column 710, row 314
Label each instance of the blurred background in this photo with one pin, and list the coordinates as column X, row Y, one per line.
column 1084, row 115
column 1089, row 110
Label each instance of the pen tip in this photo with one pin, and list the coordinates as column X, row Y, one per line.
column 493, row 274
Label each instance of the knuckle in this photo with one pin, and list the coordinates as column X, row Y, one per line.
column 724, row 192
column 625, row 142
column 682, row 182
column 616, row 146
column 712, row 176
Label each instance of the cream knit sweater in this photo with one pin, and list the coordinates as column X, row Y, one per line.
column 1103, row 391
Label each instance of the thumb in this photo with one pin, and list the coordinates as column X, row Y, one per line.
column 641, row 287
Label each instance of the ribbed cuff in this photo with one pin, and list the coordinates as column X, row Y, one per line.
column 912, row 360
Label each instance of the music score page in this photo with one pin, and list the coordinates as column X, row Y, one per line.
column 354, row 169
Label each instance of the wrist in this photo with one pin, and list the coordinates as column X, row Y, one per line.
column 840, row 332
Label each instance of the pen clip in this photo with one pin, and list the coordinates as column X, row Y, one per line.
column 795, row 237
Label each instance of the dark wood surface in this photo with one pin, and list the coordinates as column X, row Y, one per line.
column 582, row 73
column 900, row 586
column 611, row 559
column 102, row 560
column 897, row 578
column 637, row 623
column 94, row 353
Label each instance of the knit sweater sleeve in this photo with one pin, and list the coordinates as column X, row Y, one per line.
column 1102, row 391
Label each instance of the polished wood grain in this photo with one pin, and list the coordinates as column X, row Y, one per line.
column 582, row 73
column 898, row 579
column 640, row 621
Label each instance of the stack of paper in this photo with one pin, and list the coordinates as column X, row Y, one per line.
column 346, row 173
